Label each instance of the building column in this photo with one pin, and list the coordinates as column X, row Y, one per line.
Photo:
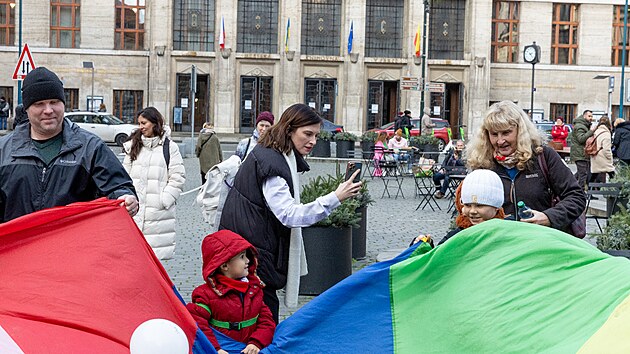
column 355, row 95
column 226, row 106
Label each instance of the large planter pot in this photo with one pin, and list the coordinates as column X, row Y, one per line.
column 431, row 151
column 618, row 253
column 367, row 147
column 321, row 149
column 329, row 257
column 359, row 236
column 345, row 148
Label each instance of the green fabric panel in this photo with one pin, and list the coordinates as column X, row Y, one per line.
column 505, row 286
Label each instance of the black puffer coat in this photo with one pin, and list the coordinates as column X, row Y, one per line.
column 247, row 214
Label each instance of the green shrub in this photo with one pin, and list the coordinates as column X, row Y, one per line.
column 369, row 136
column 343, row 216
column 324, row 135
column 346, row 136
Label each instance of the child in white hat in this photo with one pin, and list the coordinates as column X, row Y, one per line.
column 478, row 198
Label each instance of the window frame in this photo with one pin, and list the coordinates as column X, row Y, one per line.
column 194, row 25
column 511, row 21
column 617, row 36
column 384, row 43
column 56, row 28
column 118, row 101
column 72, row 99
column 556, row 24
column 7, row 28
column 321, row 34
column 120, row 33
column 265, row 42
column 565, row 110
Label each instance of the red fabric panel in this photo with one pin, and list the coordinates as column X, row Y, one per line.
column 81, row 276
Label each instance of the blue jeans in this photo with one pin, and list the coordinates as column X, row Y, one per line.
column 3, row 123
column 437, row 180
column 404, row 157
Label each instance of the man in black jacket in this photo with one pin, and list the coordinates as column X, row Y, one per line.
column 50, row 161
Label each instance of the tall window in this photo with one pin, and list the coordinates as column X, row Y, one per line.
column 566, row 111
column 617, row 37
column 193, row 25
column 320, row 27
column 127, row 103
column 65, row 23
column 257, row 26
column 505, row 31
column 564, row 29
column 446, row 35
column 129, row 32
column 7, row 22
column 615, row 109
column 384, row 28
column 72, row 99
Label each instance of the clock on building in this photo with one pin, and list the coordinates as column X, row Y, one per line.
column 531, row 53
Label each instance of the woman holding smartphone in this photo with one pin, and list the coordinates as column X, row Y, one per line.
column 264, row 205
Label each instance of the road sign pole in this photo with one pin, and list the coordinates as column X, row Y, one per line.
column 19, row 84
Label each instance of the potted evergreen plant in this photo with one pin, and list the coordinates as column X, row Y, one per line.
column 322, row 147
column 345, row 144
column 328, row 243
column 367, row 143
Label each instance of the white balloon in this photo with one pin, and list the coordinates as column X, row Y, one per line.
column 158, row 336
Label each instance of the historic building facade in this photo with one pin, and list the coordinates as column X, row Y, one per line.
column 351, row 60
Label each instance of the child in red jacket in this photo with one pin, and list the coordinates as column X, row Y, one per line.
column 231, row 300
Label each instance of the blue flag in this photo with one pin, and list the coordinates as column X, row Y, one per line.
column 350, row 37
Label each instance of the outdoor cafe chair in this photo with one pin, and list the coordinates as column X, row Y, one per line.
column 422, row 172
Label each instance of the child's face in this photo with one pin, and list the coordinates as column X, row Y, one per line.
column 478, row 213
column 236, row 267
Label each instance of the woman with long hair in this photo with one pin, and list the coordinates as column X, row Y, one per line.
column 379, row 151
column 509, row 144
column 264, row 205
column 602, row 162
column 158, row 182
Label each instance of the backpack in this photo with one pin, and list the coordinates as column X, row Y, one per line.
column 211, row 196
column 590, row 147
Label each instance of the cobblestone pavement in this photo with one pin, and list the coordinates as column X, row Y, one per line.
column 392, row 224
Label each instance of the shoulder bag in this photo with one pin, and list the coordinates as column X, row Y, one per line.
column 578, row 226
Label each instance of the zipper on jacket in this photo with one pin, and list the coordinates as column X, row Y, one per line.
column 43, row 174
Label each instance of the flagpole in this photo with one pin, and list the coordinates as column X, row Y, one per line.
column 424, row 54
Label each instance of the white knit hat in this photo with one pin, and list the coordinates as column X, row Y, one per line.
column 482, row 187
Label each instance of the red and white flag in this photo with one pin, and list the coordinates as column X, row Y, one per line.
column 222, row 34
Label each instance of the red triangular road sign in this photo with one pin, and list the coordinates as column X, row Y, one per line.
column 24, row 65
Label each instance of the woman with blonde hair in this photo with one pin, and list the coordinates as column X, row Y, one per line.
column 509, row 144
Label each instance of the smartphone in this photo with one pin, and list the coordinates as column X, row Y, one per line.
column 351, row 167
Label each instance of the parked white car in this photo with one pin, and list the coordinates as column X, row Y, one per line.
column 108, row 127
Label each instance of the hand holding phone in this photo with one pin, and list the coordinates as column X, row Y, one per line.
column 351, row 168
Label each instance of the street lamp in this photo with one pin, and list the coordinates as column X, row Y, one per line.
column 424, row 54
column 90, row 65
column 611, row 86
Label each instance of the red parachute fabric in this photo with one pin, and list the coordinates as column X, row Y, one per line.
column 81, row 278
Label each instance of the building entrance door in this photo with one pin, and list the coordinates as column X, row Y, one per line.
column 183, row 100
column 321, row 94
column 256, row 95
column 382, row 103
column 447, row 105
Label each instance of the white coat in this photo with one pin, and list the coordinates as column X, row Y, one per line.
column 158, row 188
column 603, row 161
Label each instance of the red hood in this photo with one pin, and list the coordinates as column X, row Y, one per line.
column 220, row 247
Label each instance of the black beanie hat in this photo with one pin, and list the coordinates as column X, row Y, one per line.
column 41, row 84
